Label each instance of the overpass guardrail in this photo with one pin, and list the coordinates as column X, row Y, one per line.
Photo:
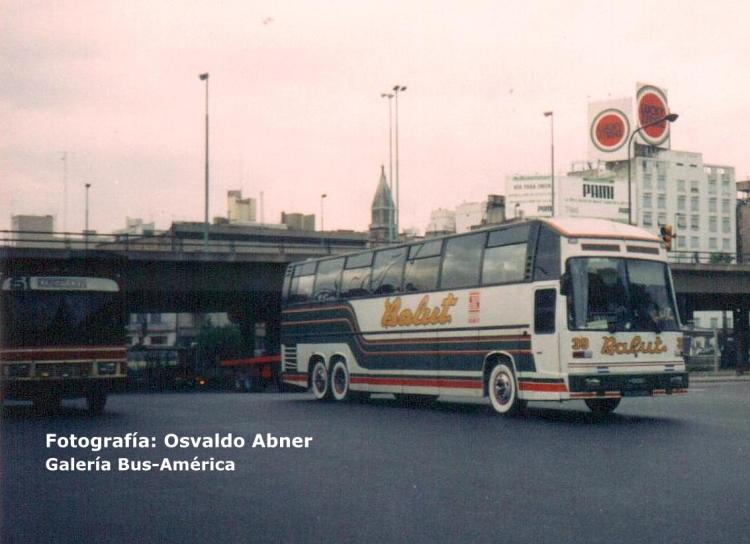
column 178, row 243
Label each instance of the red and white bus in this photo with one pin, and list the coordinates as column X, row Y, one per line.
column 543, row 310
column 61, row 337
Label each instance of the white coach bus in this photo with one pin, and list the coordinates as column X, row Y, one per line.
column 543, row 310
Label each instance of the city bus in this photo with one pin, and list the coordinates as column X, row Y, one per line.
column 541, row 310
column 61, row 336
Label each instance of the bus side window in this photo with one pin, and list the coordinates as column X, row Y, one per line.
column 300, row 288
column 462, row 261
column 423, row 266
column 328, row 279
column 504, row 264
column 388, row 271
column 356, row 277
column 544, row 311
column 547, row 257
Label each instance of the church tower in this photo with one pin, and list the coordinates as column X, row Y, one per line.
column 382, row 227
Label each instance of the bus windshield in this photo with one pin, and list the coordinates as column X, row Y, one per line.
column 618, row 294
column 60, row 318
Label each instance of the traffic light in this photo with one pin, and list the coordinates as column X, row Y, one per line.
column 667, row 235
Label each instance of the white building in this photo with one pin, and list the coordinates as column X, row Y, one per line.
column 442, row 222
column 699, row 200
column 467, row 216
column 241, row 210
column 634, row 176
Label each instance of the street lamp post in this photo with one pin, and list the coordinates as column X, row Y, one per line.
column 397, row 89
column 322, row 222
column 86, row 232
column 204, row 77
column 391, row 213
column 671, row 118
column 551, row 116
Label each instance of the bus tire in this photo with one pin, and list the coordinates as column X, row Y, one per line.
column 502, row 389
column 320, row 384
column 602, row 406
column 340, row 384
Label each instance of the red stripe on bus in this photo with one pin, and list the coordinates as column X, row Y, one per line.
column 62, row 354
column 418, row 382
column 543, row 387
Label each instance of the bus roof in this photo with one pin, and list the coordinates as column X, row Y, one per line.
column 598, row 228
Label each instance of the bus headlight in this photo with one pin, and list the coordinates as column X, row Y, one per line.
column 107, row 369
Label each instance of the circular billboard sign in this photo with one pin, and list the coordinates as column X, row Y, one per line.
column 610, row 130
column 652, row 106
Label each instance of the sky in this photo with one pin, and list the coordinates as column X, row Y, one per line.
column 107, row 93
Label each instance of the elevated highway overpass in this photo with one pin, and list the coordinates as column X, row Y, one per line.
column 178, row 273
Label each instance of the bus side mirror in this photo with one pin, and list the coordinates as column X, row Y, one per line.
column 565, row 284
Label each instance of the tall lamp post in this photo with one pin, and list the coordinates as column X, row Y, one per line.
column 551, row 116
column 322, row 223
column 391, row 213
column 204, row 77
column 86, row 232
column 397, row 89
column 671, row 118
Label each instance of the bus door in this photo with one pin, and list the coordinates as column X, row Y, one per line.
column 545, row 344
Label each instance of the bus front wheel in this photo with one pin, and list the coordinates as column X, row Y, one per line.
column 319, row 382
column 503, row 390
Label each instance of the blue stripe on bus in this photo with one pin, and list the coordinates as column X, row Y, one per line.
column 338, row 324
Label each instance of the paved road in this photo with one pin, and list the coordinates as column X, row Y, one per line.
column 659, row 470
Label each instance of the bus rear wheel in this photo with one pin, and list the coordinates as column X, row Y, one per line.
column 602, row 406
column 319, row 382
column 503, row 390
column 340, row 384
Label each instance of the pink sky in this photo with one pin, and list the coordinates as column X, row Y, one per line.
column 295, row 106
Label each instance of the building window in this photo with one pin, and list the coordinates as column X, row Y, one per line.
column 694, row 186
column 647, row 201
column 712, row 186
column 712, row 205
column 662, row 219
column 695, row 222
column 725, row 206
column 681, row 185
column 726, row 244
column 681, row 223
column 662, row 202
column 648, row 219
column 647, row 181
column 726, row 226
column 694, row 243
column 694, row 204
column 712, row 224
column 681, row 200
column 661, row 183
column 712, row 243
column 681, row 242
